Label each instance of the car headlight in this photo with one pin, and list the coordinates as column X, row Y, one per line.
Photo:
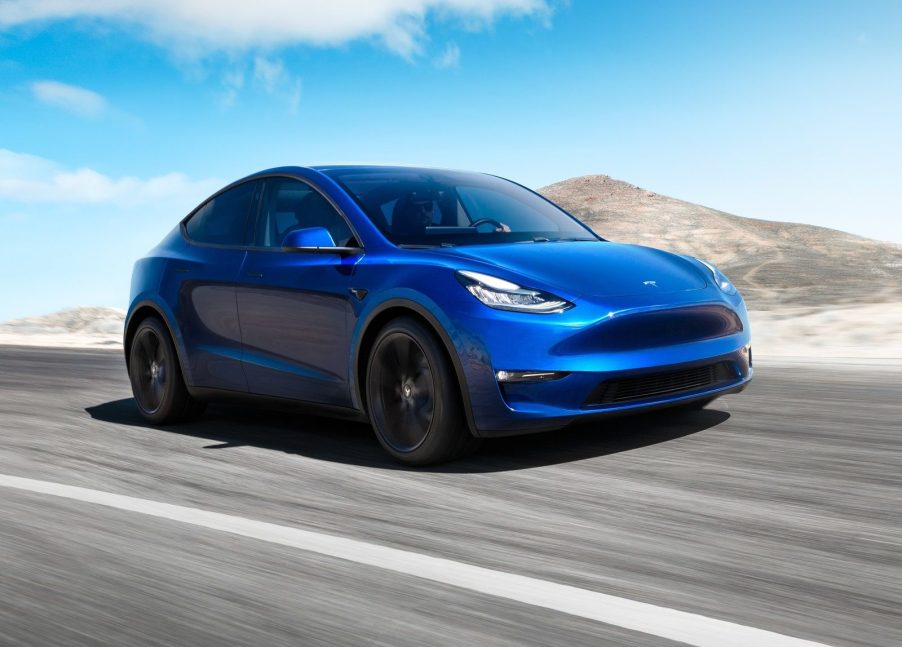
column 720, row 278
column 504, row 295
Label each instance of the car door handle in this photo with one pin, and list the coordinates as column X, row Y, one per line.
column 254, row 275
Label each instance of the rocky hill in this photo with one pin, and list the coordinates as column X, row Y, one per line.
column 772, row 263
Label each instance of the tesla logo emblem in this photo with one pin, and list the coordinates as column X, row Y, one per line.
column 652, row 284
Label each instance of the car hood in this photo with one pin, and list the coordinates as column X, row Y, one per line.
column 591, row 269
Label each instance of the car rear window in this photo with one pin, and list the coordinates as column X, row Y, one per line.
column 224, row 219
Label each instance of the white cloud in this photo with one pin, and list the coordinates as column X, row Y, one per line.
column 275, row 80
column 266, row 74
column 30, row 179
column 233, row 82
column 81, row 101
column 294, row 97
column 197, row 27
column 449, row 58
column 270, row 73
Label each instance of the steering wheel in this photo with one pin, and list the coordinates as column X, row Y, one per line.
column 499, row 226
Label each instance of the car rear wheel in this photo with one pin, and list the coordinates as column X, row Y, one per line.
column 412, row 396
column 156, row 377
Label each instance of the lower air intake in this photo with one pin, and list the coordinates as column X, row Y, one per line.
column 656, row 385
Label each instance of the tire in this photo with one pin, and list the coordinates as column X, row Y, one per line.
column 156, row 377
column 412, row 396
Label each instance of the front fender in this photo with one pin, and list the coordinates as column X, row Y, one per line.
column 468, row 357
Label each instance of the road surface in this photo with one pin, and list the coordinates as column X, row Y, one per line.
column 777, row 509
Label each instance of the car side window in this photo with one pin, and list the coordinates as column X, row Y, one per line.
column 288, row 205
column 224, row 219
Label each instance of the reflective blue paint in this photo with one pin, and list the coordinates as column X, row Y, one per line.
column 286, row 324
column 310, row 237
column 579, row 270
column 296, row 313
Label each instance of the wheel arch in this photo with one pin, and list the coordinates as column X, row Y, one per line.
column 388, row 311
column 141, row 311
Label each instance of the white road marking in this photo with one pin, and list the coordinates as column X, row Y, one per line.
column 667, row 623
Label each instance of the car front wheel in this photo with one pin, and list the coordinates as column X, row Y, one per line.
column 412, row 396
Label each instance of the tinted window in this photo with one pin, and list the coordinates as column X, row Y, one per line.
column 289, row 205
column 224, row 219
column 431, row 207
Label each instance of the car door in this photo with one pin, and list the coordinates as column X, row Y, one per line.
column 200, row 282
column 294, row 307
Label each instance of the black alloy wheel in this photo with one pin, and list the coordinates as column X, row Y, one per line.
column 412, row 396
column 156, row 376
column 149, row 370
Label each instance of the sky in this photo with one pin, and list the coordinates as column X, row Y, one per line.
column 117, row 117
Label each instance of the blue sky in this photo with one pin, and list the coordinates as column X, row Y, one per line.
column 117, row 117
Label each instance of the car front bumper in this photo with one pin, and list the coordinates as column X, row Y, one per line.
column 639, row 355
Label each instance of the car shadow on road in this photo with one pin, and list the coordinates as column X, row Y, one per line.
column 341, row 441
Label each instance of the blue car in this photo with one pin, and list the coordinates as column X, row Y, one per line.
column 441, row 306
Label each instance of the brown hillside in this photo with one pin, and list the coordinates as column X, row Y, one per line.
column 773, row 263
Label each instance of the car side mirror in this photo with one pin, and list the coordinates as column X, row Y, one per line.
column 314, row 240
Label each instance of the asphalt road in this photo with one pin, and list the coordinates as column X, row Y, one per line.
column 778, row 508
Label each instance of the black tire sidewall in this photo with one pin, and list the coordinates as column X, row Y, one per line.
column 175, row 394
column 444, row 437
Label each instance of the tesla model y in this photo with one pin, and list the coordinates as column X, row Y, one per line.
column 441, row 306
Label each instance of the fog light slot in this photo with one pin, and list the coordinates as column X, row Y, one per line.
column 508, row 377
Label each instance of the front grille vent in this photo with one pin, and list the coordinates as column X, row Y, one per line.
column 656, row 385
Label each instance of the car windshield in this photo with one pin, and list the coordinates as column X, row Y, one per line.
column 419, row 207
